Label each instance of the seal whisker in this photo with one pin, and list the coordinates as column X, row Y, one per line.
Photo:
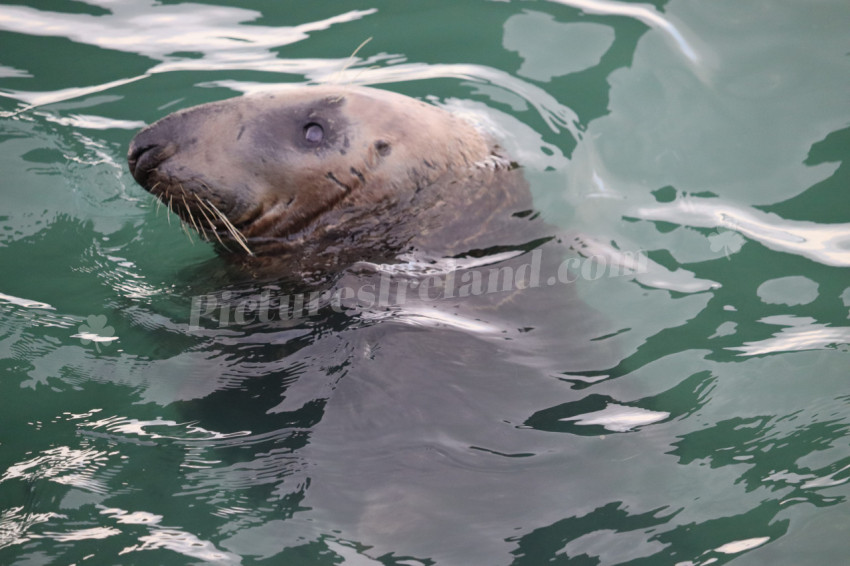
column 182, row 221
column 210, row 222
column 204, row 214
column 158, row 200
column 229, row 225
column 215, row 214
column 217, row 237
column 338, row 74
column 192, row 218
column 169, row 208
column 363, row 70
column 188, row 234
column 237, row 235
column 204, row 206
column 188, row 210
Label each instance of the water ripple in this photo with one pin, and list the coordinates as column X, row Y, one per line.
column 163, row 33
column 158, row 31
column 168, row 538
column 15, row 524
column 170, row 430
column 64, row 465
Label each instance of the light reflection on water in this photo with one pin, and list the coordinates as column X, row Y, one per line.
column 829, row 244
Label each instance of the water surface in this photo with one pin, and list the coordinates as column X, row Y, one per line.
column 694, row 412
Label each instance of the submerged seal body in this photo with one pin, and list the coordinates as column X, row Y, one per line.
column 318, row 177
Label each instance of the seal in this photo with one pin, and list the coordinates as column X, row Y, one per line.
column 312, row 179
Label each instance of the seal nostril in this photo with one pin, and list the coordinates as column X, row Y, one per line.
column 143, row 159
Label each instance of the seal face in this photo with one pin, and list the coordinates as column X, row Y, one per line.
column 323, row 176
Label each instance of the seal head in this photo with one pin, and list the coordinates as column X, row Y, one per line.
column 323, row 176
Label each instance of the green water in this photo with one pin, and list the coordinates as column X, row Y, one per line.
column 702, row 419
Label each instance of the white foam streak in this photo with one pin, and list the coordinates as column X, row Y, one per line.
column 838, row 477
column 89, row 122
column 417, row 267
column 215, row 33
column 26, row 303
column 644, row 13
column 828, row 244
column 162, row 29
column 648, row 272
column 169, row 429
column 799, row 335
column 42, row 98
column 94, row 533
column 168, row 538
column 737, row 546
column 94, row 337
column 619, row 418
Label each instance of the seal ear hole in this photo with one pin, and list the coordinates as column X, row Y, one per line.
column 314, row 133
column 383, row 148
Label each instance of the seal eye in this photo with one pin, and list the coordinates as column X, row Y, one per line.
column 383, row 148
column 314, row 133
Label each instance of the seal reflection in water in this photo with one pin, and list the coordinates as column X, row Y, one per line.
column 310, row 180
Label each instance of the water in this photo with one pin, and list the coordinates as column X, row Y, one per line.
column 692, row 413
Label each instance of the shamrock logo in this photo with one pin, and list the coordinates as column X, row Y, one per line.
column 726, row 241
column 96, row 331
